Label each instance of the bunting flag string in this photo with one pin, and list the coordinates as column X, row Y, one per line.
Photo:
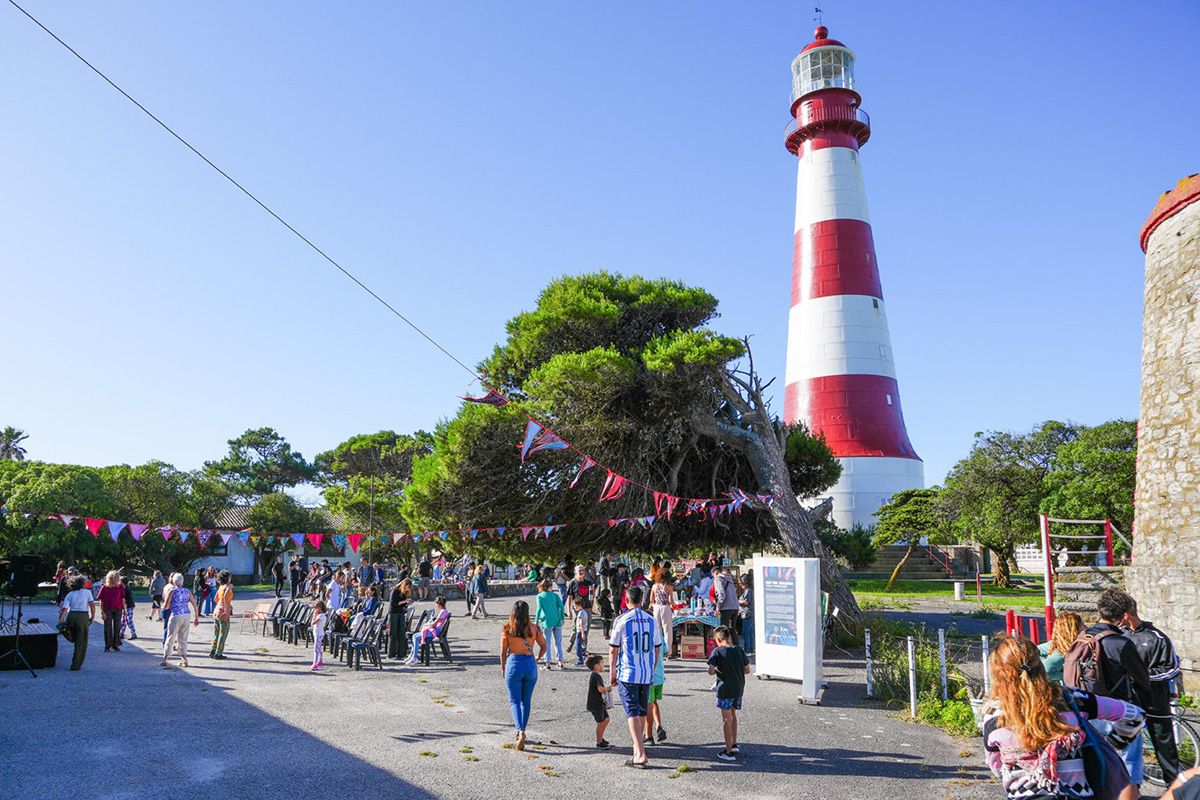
column 492, row 398
column 613, row 488
column 587, row 464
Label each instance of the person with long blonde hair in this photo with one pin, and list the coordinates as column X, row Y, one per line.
column 1033, row 736
column 1066, row 631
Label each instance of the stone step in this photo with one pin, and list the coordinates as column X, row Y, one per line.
column 1082, row 608
column 1084, row 587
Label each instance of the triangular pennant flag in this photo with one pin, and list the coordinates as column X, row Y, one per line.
column 397, row 538
column 254, row 540
column 525, row 533
column 137, row 530
column 94, row 525
column 204, row 536
column 614, row 487
column 665, row 504
column 532, row 429
column 587, row 464
column 339, row 541
column 500, row 531
column 416, row 537
column 225, row 537
column 548, row 441
column 315, row 539
column 474, row 533
column 297, row 539
column 243, row 537
column 165, row 530
column 355, row 540
column 444, row 535
column 492, row 398
column 115, row 528
column 183, row 535
column 67, row 519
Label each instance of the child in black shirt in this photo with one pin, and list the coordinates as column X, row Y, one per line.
column 595, row 698
column 729, row 663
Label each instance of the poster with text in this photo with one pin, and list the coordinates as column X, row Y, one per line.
column 779, row 607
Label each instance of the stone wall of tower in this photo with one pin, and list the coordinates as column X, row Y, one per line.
column 1165, row 573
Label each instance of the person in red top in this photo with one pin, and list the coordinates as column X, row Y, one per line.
column 112, row 606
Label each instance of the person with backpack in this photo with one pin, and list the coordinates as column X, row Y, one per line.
column 725, row 594
column 1158, row 654
column 1036, row 735
column 1105, row 662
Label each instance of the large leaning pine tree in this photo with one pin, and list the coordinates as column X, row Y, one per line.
column 624, row 369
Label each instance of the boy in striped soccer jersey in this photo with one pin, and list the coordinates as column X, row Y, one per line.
column 636, row 643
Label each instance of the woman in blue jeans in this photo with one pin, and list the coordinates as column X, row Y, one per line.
column 519, row 663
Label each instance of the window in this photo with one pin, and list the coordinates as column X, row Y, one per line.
column 216, row 547
column 874, row 300
column 889, row 399
column 823, row 68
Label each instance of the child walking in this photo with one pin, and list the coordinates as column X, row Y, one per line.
column 318, row 632
column 654, row 709
column 598, row 698
column 583, row 619
column 729, row 663
column 604, row 601
column 127, row 619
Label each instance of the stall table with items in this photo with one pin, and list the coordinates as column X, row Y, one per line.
column 693, row 634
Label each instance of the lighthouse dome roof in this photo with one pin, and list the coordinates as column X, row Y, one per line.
column 821, row 39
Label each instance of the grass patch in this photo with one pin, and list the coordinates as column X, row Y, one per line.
column 470, row 758
column 466, row 748
column 427, row 754
column 507, row 745
column 537, row 747
column 870, row 594
column 551, row 773
column 952, row 716
column 422, row 680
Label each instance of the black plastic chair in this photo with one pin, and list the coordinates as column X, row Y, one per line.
column 277, row 612
column 442, row 640
column 368, row 643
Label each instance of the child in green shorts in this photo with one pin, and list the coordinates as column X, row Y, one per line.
column 654, row 709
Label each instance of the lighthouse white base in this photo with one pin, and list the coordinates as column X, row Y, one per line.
column 869, row 482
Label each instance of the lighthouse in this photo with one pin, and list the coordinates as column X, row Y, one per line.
column 841, row 378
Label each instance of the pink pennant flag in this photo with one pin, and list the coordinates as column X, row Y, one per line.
column 67, row 519
column 165, row 530
column 137, row 530
column 315, row 539
column 525, row 533
column 355, row 539
column 614, row 487
column 94, row 525
column 225, row 537
column 665, row 504
column 587, row 464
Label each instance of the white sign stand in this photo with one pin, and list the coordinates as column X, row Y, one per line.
column 788, row 632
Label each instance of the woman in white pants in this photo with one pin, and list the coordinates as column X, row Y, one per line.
column 184, row 613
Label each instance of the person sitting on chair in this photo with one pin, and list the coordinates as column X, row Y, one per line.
column 429, row 632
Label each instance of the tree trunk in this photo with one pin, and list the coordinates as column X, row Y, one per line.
column 912, row 546
column 1000, row 577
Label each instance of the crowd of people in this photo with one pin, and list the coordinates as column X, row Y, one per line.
column 1065, row 719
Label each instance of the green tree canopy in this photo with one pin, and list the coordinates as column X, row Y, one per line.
column 994, row 494
column 620, row 366
column 1094, row 474
column 10, row 444
column 260, row 462
column 908, row 517
column 279, row 512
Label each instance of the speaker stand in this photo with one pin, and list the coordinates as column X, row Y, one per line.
column 16, row 651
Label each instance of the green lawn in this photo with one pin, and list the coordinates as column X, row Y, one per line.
column 870, row 594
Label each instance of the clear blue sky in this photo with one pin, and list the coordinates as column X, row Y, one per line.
column 459, row 156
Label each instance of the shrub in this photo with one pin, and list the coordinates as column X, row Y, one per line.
column 953, row 716
column 855, row 547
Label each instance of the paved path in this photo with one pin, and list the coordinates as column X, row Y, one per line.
column 259, row 725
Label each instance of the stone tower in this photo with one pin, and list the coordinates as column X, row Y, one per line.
column 1165, row 573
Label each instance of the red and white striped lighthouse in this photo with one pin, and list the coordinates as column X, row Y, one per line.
column 841, row 379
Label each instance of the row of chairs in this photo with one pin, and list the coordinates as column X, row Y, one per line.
column 291, row 621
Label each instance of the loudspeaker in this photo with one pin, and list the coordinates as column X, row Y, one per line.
column 26, row 575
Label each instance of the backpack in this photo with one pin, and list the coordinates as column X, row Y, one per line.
column 1081, row 664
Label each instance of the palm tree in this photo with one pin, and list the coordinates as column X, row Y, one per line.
column 10, row 444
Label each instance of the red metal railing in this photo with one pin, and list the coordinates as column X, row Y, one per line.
column 810, row 114
column 936, row 556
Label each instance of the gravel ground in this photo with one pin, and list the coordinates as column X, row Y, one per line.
column 260, row 725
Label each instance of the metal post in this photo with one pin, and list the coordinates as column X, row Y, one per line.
column 978, row 587
column 987, row 673
column 870, row 664
column 942, row 661
column 912, row 677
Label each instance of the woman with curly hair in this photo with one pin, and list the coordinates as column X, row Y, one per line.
column 1035, row 737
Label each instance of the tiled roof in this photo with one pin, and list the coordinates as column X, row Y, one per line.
column 234, row 518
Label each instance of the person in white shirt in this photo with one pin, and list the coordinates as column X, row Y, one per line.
column 636, row 644
column 78, row 612
column 336, row 591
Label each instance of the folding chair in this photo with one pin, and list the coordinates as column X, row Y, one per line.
column 259, row 614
